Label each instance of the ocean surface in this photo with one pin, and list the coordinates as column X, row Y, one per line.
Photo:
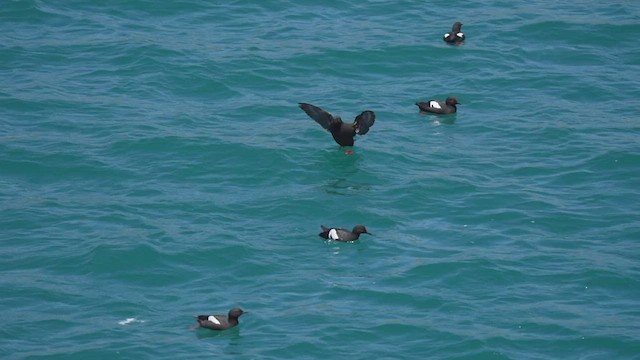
column 154, row 165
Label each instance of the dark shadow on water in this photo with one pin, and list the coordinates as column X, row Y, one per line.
column 345, row 187
column 341, row 171
column 233, row 334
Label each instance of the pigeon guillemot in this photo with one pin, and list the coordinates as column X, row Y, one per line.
column 343, row 133
column 439, row 107
column 219, row 322
column 340, row 234
column 456, row 36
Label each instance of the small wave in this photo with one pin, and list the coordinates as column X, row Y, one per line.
column 129, row 321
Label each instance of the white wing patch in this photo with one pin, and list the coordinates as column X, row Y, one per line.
column 333, row 234
column 434, row 104
column 460, row 34
column 446, row 35
column 214, row 320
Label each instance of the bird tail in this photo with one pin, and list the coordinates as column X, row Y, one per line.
column 325, row 232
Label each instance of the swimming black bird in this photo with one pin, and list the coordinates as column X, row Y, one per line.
column 219, row 322
column 340, row 234
column 343, row 133
column 456, row 36
column 439, row 107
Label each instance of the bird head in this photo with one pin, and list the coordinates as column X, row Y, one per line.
column 360, row 229
column 452, row 101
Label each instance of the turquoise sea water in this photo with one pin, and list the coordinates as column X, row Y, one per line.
column 154, row 165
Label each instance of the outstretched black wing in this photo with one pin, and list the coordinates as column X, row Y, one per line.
column 320, row 116
column 364, row 121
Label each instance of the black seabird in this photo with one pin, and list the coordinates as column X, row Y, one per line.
column 439, row 107
column 343, row 133
column 340, row 234
column 219, row 322
column 456, row 36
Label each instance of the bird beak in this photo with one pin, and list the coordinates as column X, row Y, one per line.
column 368, row 233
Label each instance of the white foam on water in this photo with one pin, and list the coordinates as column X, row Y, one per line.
column 129, row 321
